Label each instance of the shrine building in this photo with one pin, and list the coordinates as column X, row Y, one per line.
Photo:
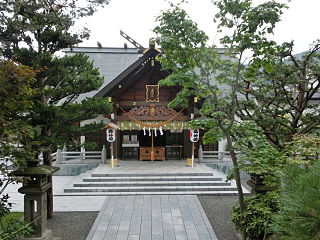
column 147, row 129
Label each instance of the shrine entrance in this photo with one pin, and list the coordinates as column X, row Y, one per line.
column 147, row 129
column 139, row 144
column 146, row 139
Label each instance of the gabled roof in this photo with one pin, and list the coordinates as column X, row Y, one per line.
column 128, row 72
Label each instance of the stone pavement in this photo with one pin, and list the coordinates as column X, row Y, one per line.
column 169, row 166
column 152, row 217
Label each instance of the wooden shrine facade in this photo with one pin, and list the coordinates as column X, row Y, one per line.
column 147, row 128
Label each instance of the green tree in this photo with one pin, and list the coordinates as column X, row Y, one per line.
column 202, row 72
column 32, row 33
column 274, row 98
column 15, row 97
column 278, row 93
column 16, row 101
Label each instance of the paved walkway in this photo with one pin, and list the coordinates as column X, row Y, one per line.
column 151, row 217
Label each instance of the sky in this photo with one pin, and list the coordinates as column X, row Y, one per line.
column 137, row 19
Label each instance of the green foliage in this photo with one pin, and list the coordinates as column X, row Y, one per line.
column 260, row 157
column 277, row 94
column 16, row 100
column 303, row 149
column 58, row 111
column 9, row 223
column 68, row 77
column 216, row 79
column 299, row 215
column 260, row 102
column 39, row 110
column 90, row 146
column 193, row 64
column 249, row 25
column 14, row 215
column 42, row 26
column 276, row 87
column 31, row 33
column 12, row 226
column 257, row 215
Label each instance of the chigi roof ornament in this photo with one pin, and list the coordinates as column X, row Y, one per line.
column 132, row 41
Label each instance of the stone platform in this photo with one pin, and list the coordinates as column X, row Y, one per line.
column 169, row 166
column 152, row 178
column 93, row 201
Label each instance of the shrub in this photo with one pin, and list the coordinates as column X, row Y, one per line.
column 255, row 219
column 299, row 215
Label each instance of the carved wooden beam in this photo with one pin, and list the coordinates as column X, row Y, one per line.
column 154, row 118
column 152, row 110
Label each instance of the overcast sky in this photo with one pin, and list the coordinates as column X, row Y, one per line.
column 136, row 18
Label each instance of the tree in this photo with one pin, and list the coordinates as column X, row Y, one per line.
column 278, row 91
column 32, row 33
column 274, row 99
column 15, row 98
column 199, row 69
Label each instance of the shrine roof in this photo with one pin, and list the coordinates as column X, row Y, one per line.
column 110, row 62
column 127, row 72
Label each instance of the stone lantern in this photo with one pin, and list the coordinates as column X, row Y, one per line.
column 257, row 185
column 35, row 199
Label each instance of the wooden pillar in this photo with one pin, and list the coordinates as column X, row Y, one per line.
column 192, row 154
column 152, row 150
column 118, row 144
column 187, row 148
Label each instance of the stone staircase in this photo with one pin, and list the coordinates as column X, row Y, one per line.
column 152, row 183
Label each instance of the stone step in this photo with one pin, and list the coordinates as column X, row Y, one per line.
column 151, row 178
column 153, row 183
column 151, row 189
column 149, row 174
column 214, row 193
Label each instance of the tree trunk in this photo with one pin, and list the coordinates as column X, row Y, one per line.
column 236, row 175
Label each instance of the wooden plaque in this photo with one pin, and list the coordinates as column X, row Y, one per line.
column 152, row 93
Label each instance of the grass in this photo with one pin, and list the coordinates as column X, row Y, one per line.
column 13, row 215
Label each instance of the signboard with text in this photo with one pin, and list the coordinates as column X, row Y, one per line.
column 194, row 135
column 111, row 135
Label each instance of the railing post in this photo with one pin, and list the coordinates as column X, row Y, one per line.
column 59, row 156
column 40, row 157
column 104, row 154
column 83, row 153
column 200, row 154
column 64, row 149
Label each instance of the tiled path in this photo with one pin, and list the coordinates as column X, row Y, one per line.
column 152, row 217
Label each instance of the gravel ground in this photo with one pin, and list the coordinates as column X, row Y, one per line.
column 218, row 210
column 72, row 225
